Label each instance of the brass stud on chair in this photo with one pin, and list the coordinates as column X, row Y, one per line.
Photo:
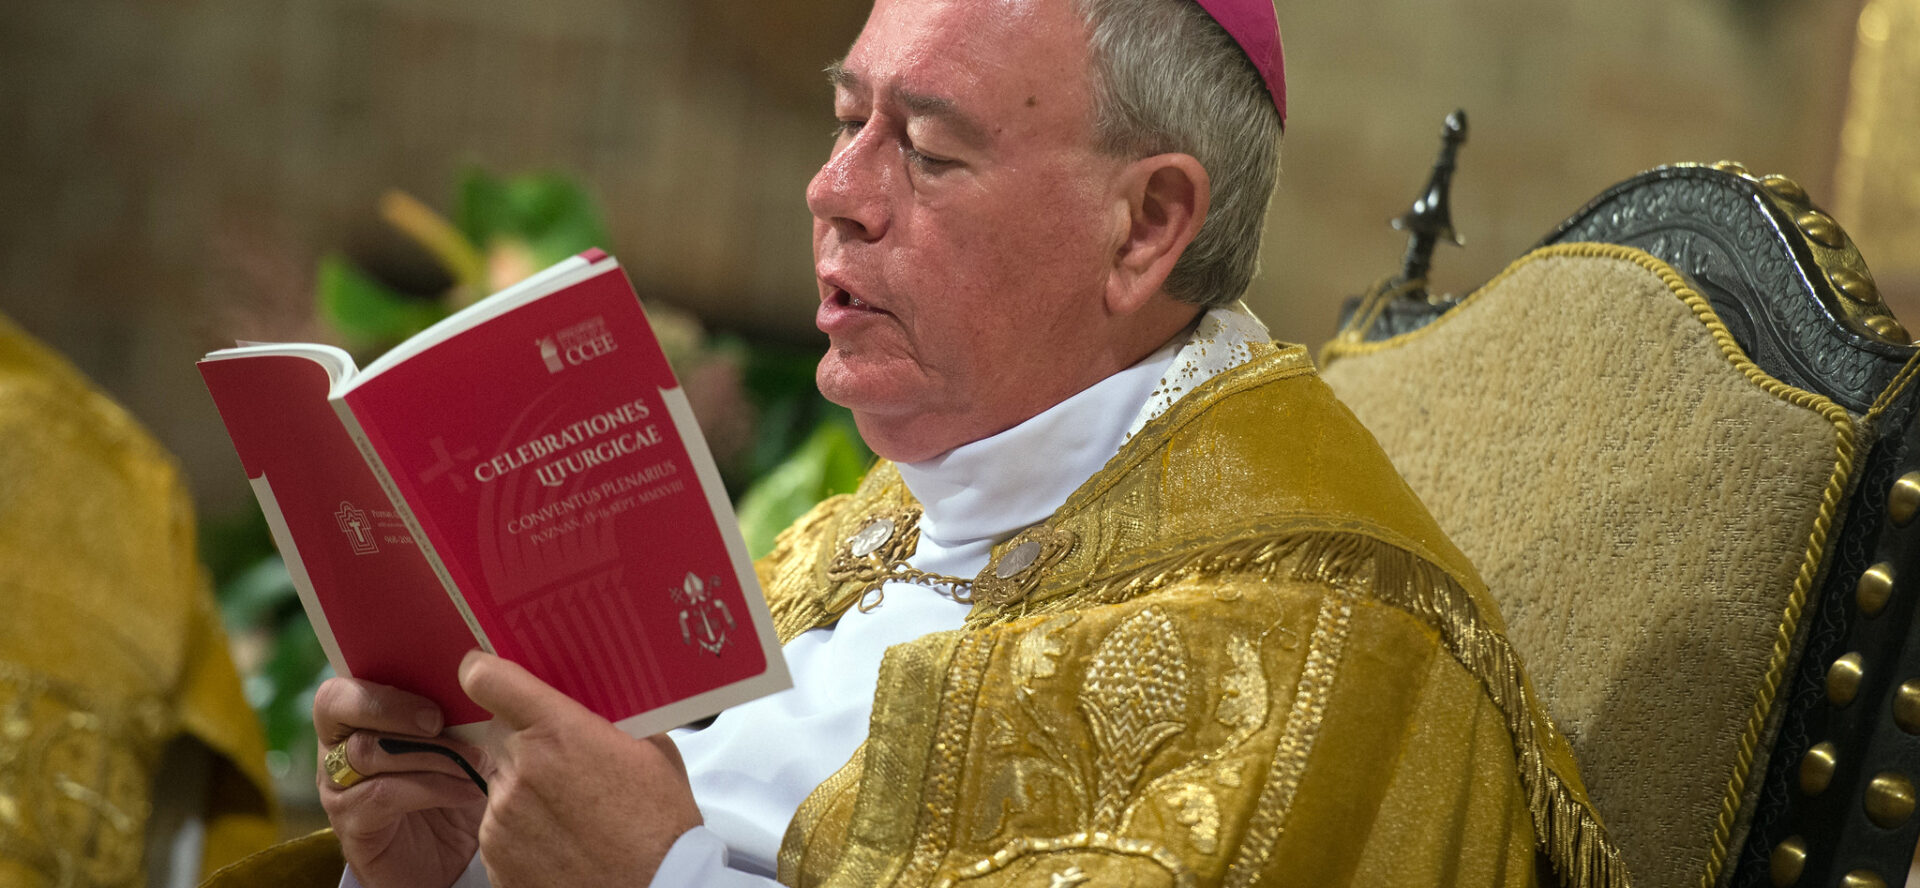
column 1788, row 860
column 1855, row 286
column 1904, row 500
column 1874, row 588
column 1906, row 706
column 1889, row 799
column 1885, row 327
column 1785, row 189
column 1843, row 678
column 1862, row 879
column 1821, row 228
column 1733, row 166
column 1816, row 768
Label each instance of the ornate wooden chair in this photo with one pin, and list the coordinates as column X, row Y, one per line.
column 1679, row 441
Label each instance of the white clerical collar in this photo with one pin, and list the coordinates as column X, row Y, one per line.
column 994, row 487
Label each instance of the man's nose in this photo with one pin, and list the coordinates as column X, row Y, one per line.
column 850, row 190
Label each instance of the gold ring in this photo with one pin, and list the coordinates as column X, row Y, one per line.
column 339, row 770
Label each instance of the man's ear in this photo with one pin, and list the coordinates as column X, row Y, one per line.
column 1166, row 199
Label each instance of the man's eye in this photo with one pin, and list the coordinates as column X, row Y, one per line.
column 928, row 163
column 847, row 128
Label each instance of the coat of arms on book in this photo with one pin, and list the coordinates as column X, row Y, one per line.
column 704, row 619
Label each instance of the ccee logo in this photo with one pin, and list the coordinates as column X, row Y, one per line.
column 576, row 345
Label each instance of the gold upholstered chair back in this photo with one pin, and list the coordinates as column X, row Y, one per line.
column 1669, row 439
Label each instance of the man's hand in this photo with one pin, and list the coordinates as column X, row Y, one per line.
column 573, row 800
column 412, row 820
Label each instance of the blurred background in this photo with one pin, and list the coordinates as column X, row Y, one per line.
column 182, row 173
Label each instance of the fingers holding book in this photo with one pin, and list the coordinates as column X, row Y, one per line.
column 368, row 729
column 404, row 817
column 366, row 754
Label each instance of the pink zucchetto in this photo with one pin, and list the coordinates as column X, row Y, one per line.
column 1253, row 25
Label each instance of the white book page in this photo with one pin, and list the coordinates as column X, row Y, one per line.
column 339, row 365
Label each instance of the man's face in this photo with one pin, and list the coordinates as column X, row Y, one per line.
column 964, row 225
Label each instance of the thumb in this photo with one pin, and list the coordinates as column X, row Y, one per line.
column 516, row 697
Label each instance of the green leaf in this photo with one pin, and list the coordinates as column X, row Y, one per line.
column 550, row 213
column 779, row 380
column 831, row 461
column 233, row 542
column 481, row 207
column 365, row 311
column 295, row 668
column 256, row 594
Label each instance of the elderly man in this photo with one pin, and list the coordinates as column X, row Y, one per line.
column 1132, row 601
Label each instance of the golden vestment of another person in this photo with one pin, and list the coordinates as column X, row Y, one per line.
column 110, row 645
column 1240, row 654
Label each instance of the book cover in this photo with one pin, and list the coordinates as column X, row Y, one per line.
column 349, row 553
column 546, row 470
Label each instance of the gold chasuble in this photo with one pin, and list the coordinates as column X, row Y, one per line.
column 1240, row 654
column 110, row 646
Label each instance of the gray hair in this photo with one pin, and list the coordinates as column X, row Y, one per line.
column 1168, row 78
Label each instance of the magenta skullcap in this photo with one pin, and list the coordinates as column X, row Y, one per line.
column 1253, row 25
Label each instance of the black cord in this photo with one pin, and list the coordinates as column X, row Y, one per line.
column 398, row 746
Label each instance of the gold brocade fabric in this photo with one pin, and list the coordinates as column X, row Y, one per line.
column 110, row 646
column 1260, row 663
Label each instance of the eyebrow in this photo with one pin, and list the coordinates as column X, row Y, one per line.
column 964, row 125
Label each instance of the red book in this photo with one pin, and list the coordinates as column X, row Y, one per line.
column 532, row 456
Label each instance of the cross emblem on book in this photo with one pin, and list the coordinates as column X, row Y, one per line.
column 445, row 465
column 353, row 522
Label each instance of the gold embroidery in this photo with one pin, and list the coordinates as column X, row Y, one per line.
column 792, row 858
column 74, row 792
column 1296, row 745
column 1009, row 790
column 1039, row 647
column 1568, row 830
column 792, row 575
column 1243, row 698
column 1183, row 877
column 1325, row 534
column 941, row 789
column 1196, row 808
column 1035, row 662
column 1242, row 708
column 1228, row 775
column 1134, row 699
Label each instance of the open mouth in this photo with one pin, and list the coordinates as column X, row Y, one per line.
column 848, row 300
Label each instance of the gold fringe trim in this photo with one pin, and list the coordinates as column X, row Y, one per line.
column 1566, row 826
column 1832, row 498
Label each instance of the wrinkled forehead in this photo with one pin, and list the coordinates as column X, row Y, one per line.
column 989, row 55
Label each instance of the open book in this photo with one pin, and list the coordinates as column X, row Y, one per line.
column 532, row 456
